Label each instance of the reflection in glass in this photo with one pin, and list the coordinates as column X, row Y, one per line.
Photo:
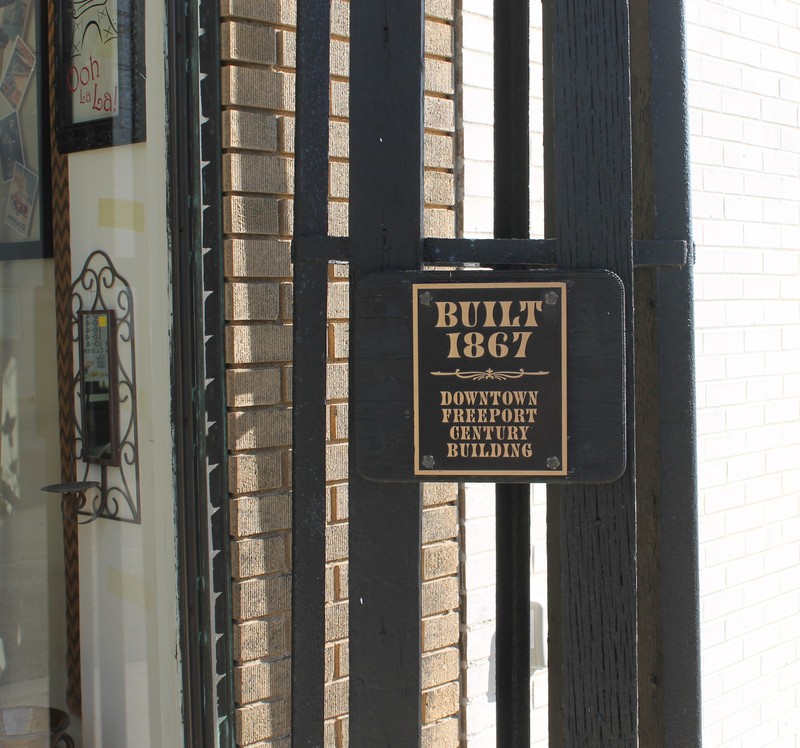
column 98, row 380
column 33, row 633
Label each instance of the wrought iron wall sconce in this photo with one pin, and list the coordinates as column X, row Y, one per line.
column 78, row 491
column 104, row 387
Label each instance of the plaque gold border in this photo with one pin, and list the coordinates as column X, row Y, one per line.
column 560, row 285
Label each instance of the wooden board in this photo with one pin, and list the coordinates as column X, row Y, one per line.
column 386, row 217
column 383, row 407
column 592, row 670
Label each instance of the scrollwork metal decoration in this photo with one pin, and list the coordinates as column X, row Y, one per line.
column 99, row 287
column 489, row 374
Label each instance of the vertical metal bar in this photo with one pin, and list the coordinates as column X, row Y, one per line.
column 199, row 377
column 511, row 119
column 512, row 644
column 554, row 532
column 214, row 471
column 309, row 375
column 512, row 502
column 596, row 663
column 386, row 131
column 675, row 337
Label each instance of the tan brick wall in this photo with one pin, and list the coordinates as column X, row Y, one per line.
column 258, row 53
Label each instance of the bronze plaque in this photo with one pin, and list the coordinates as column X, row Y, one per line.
column 490, row 379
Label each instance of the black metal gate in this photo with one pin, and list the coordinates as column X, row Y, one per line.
column 616, row 195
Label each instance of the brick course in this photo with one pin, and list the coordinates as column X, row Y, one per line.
column 258, row 54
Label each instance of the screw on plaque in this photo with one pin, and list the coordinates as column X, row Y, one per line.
column 425, row 298
column 428, row 461
column 551, row 297
column 553, row 463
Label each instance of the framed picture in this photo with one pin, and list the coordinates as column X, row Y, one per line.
column 24, row 131
column 99, row 73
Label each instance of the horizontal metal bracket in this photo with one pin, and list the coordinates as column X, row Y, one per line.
column 491, row 251
column 320, row 249
column 662, row 253
column 534, row 252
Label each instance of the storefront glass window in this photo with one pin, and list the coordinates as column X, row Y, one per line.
column 89, row 646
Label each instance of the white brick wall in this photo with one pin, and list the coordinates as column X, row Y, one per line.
column 744, row 69
column 477, row 117
column 478, row 531
column 744, row 75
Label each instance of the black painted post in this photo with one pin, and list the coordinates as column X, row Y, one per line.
column 675, row 334
column 594, row 668
column 512, row 504
column 308, row 415
column 386, row 130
